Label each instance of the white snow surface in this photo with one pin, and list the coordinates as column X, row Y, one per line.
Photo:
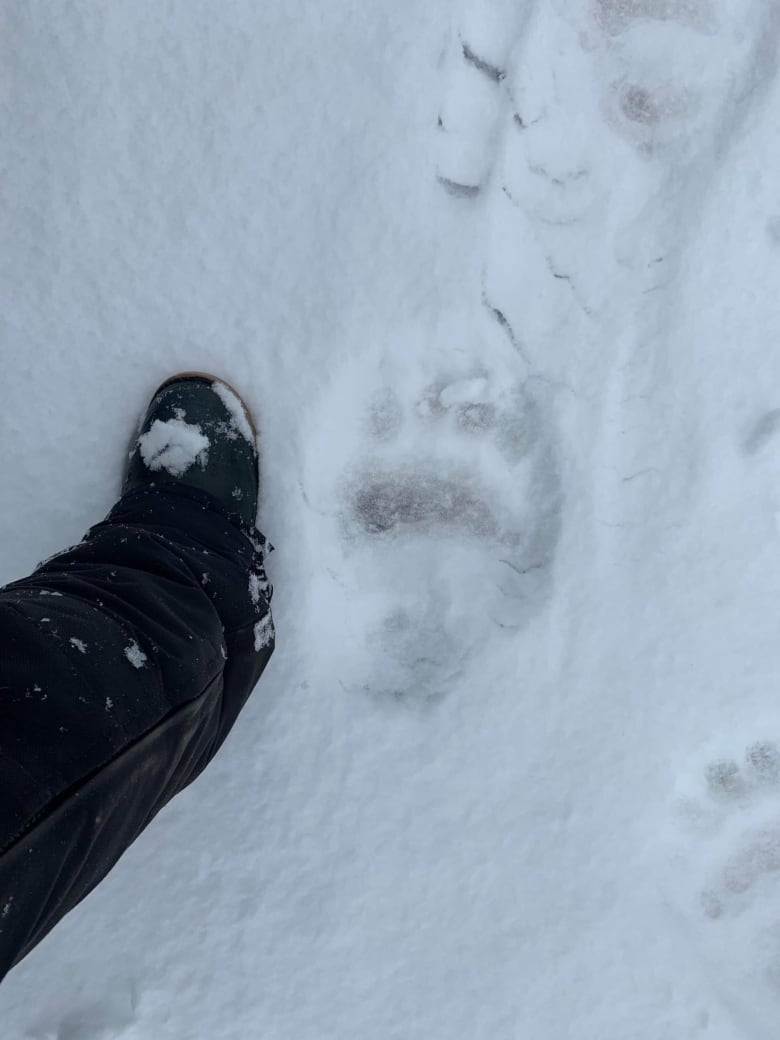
column 499, row 281
column 173, row 445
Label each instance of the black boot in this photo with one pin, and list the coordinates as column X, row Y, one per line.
column 198, row 431
column 126, row 660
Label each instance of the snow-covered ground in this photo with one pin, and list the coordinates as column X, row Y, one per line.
column 500, row 281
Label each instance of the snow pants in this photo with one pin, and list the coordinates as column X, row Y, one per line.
column 124, row 662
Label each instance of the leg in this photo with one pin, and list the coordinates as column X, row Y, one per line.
column 124, row 663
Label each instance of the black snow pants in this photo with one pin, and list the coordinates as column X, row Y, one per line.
column 124, row 663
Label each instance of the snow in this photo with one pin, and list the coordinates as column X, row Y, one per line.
column 263, row 633
column 173, row 446
column 498, row 280
column 237, row 413
column 79, row 644
column 258, row 588
column 135, row 655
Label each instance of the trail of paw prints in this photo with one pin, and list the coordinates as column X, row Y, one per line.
column 448, row 521
column 461, row 480
column 727, row 873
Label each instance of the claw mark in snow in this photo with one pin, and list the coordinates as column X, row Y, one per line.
column 467, row 191
column 491, row 71
column 506, row 325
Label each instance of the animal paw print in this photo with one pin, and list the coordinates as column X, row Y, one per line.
column 447, row 514
column 740, row 790
column 731, row 869
column 439, row 465
column 461, row 480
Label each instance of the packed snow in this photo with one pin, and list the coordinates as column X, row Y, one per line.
column 174, row 446
column 498, row 279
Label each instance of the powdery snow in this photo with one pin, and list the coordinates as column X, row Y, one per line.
column 173, row 446
column 80, row 645
column 499, row 280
